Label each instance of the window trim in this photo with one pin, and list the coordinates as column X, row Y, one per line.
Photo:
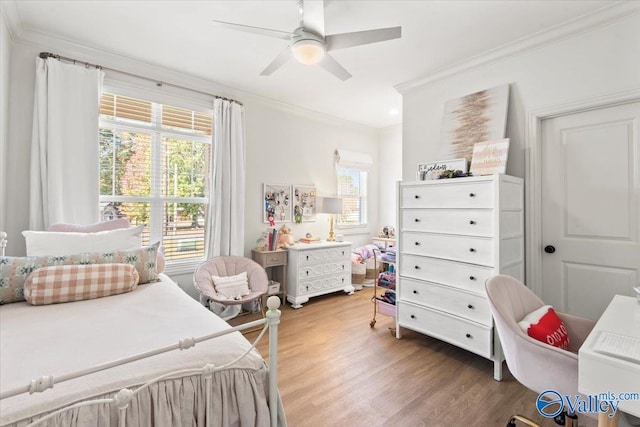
column 156, row 130
column 364, row 200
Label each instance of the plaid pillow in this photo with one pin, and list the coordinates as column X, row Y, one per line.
column 15, row 270
column 66, row 283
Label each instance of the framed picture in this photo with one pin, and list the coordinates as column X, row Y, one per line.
column 427, row 171
column 490, row 157
column 477, row 117
column 277, row 203
column 304, row 203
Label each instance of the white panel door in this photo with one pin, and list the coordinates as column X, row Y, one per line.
column 590, row 208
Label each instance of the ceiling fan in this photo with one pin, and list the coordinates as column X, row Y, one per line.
column 309, row 44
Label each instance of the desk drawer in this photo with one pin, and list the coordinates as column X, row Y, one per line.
column 475, row 250
column 451, row 300
column 275, row 258
column 452, row 329
column 448, row 195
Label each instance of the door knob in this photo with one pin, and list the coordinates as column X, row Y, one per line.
column 549, row 249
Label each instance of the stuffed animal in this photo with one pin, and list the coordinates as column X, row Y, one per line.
column 285, row 238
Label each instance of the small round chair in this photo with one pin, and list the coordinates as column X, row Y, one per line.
column 224, row 266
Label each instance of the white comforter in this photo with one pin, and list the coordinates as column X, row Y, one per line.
column 62, row 338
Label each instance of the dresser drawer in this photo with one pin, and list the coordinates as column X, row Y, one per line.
column 323, row 284
column 471, row 222
column 475, row 250
column 448, row 195
column 444, row 298
column 311, row 271
column 452, row 329
column 460, row 275
column 323, row 255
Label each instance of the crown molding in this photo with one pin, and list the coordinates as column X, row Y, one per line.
column 11, row 16
column 585, row 23
column 129, row 65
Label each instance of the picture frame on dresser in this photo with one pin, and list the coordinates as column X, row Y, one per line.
column 454, row 234
column 276, row 203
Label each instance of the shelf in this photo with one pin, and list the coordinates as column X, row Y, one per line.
column 386, row 308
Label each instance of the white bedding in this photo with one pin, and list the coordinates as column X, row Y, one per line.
column 61, row 338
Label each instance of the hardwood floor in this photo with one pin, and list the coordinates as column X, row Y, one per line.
column 337, row 371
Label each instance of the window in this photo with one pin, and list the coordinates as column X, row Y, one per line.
column 154, row 168
column 352, row 188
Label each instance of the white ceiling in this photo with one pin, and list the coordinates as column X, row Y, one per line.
column 180, row 35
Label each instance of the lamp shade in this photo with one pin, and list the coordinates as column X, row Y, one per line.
column 331, row 205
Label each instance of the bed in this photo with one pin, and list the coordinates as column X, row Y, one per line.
column 62, row 340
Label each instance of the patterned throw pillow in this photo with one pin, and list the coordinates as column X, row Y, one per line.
column 15, row 270
column 67, row 283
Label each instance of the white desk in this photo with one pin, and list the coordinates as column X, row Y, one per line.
column 600, row 373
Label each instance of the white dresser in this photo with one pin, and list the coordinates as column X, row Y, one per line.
column 317, row 269
column 453, row 235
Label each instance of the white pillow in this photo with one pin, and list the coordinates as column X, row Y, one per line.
column 232, row 287
column 54, row 243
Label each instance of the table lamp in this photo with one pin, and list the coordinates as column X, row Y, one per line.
column 332, row 206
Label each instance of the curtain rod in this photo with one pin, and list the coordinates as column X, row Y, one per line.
column 45, row 55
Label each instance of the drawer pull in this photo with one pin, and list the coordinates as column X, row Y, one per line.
column 342, row 253
column 307, row 257
column 472, row 278
column 343, row 280
column 417, row 220
column 417, row 267
column 343, row 266
column 471, row 250
column 307, row 272
column 468, row 336
column 470, row 307
column 413, row 316
column 416, row 196
column 472, row 222
column 415, row 292
column 472, row 194
column 417, row 243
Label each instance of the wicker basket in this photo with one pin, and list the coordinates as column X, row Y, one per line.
column 358, row 272
column 372, row 269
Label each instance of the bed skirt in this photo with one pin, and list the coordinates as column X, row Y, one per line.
column 239, row 398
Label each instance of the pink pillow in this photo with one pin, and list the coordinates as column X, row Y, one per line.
column 67, row 283
column 544, row 325
column 91, row 228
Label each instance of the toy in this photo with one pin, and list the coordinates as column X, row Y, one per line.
column 285, row 238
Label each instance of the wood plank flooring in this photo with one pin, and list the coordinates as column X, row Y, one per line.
column 335, row 370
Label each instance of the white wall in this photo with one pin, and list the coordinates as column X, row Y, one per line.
column 284, row 145
column 390, row 171
column 602, row 61
column 5, row 61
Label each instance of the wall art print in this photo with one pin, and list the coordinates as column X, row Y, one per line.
column 304, row 203
column 277, row 203
column 490, row 157
column 478, row 117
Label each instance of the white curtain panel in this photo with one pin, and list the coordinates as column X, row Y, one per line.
column 64, row 144
column 225, row 221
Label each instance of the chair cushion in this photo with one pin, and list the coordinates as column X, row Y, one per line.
column 232, row 287
column 544, row 325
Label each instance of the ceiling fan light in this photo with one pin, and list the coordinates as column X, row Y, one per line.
column 308, row 52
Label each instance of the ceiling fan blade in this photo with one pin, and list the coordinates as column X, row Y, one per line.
column 256, row 30
column 313, row 16
column 343, row 40
column 283, row 57
column 332, row 66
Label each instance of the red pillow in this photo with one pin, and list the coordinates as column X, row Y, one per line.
column 544, row 325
